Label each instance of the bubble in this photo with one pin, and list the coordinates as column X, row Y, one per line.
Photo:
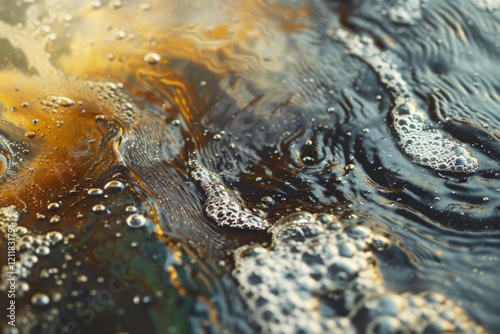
column 42, row 250
column 30, row 134
column 268, row 200
column 21, row 230
column 95, row 192
column 116, row 4
column 65, row 102
column 152, row 58
column 146, row 6
column 114, row 186
column 131, row 209
column 54, row 237
column 136, row 220
column 81, row 279
column 99, row 208
column 53, row 206
column 40, row 299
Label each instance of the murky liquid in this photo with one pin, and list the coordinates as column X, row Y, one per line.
column 251, row 166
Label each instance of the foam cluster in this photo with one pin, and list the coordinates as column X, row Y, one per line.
column 417, row 136
column 222, row 205
column 29, row 246
column 319, row 277
column 5, row 157
column 405, row 11
column 489, row 5
column 427, row 146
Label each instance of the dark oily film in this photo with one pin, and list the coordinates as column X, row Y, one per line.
column 230, row 166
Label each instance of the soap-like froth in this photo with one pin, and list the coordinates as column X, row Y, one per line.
column 319, row 277
column 489, row 5
column 222, row 205
column 417, row 136
column 427, row 146
column 405, row 12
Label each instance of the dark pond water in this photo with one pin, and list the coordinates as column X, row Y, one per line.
column 250, row 166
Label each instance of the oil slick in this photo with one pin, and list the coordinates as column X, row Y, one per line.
column 96, row 127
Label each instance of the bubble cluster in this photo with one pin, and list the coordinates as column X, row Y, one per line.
column 405, row 12
column 417, row 136
column 427, row 146
column 318, row 276
column 222, row 205
column 30, row 247
column 5, row 157
column 112, row 96
column 489, row 5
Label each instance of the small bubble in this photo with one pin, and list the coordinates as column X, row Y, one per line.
column 131, row 209
column 330, row 109
column 485, row 199
column 98, row 208
column 54, row 237
column 40, row 299
column 96, row 4
column 114, row 186
column 53, row 206
column 116, row 4
column 21, row 230
column 136, row 220
column 146, row 6
column 95, row 192
column 152, row 58
column 350, row 167
column 268, row 200
column 64, row 101
column 121, row 34
column 42, row 250
column 81, row 279
column 30, row 134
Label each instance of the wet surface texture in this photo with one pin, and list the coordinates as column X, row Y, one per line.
column 251, row 166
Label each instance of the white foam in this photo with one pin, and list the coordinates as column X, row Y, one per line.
column 318, row 277
column 222, row 205
column 417, row 136
column 490, row 5
column 405, row 11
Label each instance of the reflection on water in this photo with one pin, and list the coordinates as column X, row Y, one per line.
column 249, row 166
